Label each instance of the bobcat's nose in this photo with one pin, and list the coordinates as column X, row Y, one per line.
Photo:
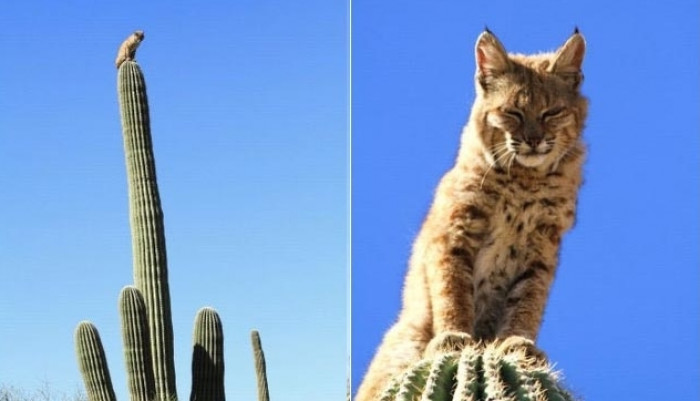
column 534, row 139
column 533, row 142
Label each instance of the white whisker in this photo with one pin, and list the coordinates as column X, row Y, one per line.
column 510, row 162
column 499, row 151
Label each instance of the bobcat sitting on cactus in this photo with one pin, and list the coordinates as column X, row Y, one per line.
column 127, row 50
column 486, row 255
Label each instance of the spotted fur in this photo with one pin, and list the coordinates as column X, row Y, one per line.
column 487, row 253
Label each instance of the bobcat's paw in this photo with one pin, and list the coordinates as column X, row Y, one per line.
column 448, row 341
column 513, row 342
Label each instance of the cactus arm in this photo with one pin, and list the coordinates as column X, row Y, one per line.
column 147, row 230
column 93, row 363
column 137, row 345
column 208, row 357
column 260, row 367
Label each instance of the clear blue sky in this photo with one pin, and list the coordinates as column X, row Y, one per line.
column 249, row 110
column 622, row 320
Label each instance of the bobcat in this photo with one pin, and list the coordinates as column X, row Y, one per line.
column 485, row 257
column 127, row 50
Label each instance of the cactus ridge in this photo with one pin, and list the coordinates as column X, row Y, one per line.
column 509, row 370
column 551, row 386
column 495, row 387
column 469, row 387
column 410, row 384
column 441, row 377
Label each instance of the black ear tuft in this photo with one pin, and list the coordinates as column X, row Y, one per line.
column 486, row 29
column 576, row 30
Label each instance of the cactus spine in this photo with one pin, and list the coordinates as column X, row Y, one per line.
column 260, row 368
column 502, row 370
column 147, row 231
column 208, row 357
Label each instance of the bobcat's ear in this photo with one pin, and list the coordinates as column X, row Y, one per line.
column 491, row 57
column 568, row 59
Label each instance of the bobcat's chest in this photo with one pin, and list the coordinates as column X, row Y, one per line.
column 524, row 226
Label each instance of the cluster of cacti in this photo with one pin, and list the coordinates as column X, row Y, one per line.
column 498, row 371
column 145, row 307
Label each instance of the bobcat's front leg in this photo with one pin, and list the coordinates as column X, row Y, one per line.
column 449, row 263
column 528, row 291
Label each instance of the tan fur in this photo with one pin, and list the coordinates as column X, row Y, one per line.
column 127, row 50
column 486, row 255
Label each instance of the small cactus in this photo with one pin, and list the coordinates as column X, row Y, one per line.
column 137, row 344
column 260, row 368
column 93, row 363
column 208, row 357
column 503, row 370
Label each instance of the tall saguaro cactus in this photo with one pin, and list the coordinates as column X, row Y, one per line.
column 147, row 231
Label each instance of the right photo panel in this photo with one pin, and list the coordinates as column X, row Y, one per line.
column 524, row 201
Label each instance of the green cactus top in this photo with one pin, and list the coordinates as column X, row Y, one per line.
column 503, row 370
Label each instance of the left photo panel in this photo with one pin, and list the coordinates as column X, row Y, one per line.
column 175, row 203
